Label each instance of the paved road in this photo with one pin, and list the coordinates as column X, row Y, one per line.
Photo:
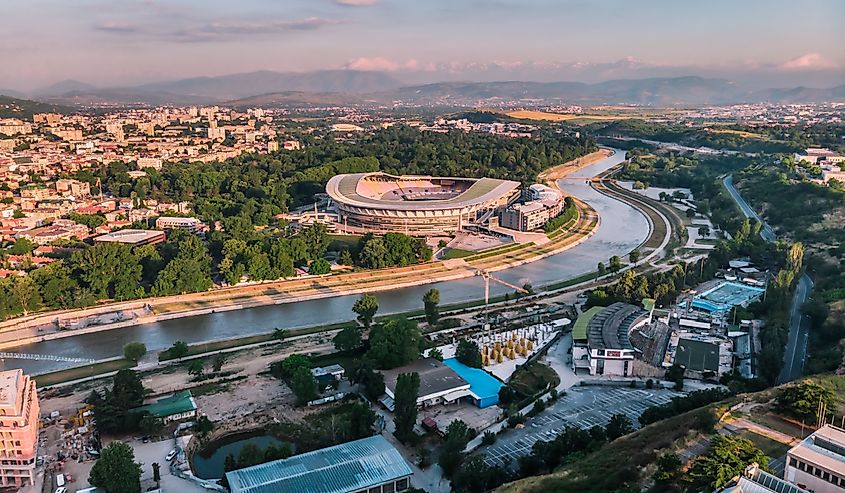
column 795, row 353
column 583, row 407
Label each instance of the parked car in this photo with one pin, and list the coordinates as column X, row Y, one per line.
column 171, row 455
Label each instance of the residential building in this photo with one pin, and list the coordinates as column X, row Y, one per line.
column 178, row 406
column 54, row 232
column 817, row 463
column 73, row 187
column 819, row 155
column 542, row 203
column 149, row 162
column 19, row 414
column 368, row 465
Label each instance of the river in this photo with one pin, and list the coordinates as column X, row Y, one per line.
column 622, row 228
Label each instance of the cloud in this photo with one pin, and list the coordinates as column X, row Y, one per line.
column 115, row 27
column 216, row 30
column 809, row 61
column 357, row 3
column 386, row 65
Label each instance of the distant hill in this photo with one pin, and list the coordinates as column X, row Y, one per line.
column 123, row 96
column 62, row 87
column 24, row 109
column 295, row 99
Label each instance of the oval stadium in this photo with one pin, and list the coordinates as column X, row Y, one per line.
column 380, row 202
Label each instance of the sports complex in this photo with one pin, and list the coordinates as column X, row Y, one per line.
column 380, row 202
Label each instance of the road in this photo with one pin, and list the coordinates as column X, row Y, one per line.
column 795, row 353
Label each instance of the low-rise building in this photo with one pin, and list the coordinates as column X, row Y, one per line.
column 166, row 223
column 817, row 464
column 756, row 480
column 177, row 407
column 19, row 413
column 54, row 232
column 368, row 465
column 133, row 237
column 439, row 384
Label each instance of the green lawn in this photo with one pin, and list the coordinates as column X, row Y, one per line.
column 78, row 372
column 457, row 253
column 772, row 448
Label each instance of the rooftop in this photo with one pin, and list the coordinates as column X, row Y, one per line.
column 351, row 466
column 180, row 402
column 481, row 384
column 10, row 381
column 579, row 330
column 825, row 448
column 344, row 188
column 130, row 236
column 609, row 328
column 435, row 377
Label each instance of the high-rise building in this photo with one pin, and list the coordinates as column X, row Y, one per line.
column 19, row 412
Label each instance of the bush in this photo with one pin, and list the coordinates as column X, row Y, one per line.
column 488, row 438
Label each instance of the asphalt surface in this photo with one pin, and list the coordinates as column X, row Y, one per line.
column 795, row 353
column 582, row 407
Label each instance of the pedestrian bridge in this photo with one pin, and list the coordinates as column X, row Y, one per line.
column 44, row 357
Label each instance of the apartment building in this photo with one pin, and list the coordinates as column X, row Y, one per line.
column 167, row 223
column 19, row 412
column 817, row 464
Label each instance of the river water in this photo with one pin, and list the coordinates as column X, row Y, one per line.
column 622, row 228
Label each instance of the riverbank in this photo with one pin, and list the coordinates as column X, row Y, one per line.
column 43, row 327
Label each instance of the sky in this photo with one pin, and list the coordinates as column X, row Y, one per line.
column 770, row 43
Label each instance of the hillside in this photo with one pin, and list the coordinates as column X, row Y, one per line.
column 24, row 109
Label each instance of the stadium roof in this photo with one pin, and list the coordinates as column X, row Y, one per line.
column 344, row 188
column 609, row 328
column 350, row 466
column 579, row 330
column 178, row 403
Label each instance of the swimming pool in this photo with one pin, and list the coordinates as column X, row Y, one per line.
column 483, row 386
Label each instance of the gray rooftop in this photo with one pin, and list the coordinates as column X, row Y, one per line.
column 344, row 189
column 435, row 377
column 608, row 329
column 342, row 468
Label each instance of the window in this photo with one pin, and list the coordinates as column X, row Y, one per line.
column 376, row 489
column 402, row 484
column 388, row 488
column 793, row 462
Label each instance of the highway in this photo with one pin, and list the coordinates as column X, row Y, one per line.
column 795, row 353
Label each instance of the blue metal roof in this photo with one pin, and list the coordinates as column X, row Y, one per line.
column 350, row 466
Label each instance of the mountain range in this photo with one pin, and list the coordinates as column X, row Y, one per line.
column 357, row 87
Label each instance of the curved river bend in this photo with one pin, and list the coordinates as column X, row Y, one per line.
column 622, row 228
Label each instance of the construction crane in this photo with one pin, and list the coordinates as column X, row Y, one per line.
column 487, row 277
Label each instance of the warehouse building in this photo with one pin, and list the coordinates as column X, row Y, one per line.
column 369, row 465
column 439, row 384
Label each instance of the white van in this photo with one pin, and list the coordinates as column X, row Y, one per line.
column 60, row 480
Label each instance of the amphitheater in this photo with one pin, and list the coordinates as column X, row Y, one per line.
column 380, row 202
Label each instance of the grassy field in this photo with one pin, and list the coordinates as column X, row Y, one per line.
column 533, row 378
column 78, row 372
column 772, row 448
column 457, row 253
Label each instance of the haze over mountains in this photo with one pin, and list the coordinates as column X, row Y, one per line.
column 351, row 87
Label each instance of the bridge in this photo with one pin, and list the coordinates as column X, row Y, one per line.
column 45, row 357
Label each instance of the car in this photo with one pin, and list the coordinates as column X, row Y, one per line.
column 61, row 489
column 170, row 455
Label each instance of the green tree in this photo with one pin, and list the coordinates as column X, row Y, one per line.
column 615, row 263
column 363, row 373
column 468, row 353
column 602, row 270
column 668, row 468
column 116, row 470
column 347, row 339
column 634, row 256
column 217, row 362
column 149, row 424
column 304, row 385
column 134, row 351
column 394, row 343
column 110, row 270
column 203, row 425
column 320, row 267
column 803, row 400
column 178, row 350
column 431, row 300
column 196, row 367
column 405, row 401
column 316, row 240
column 435, row 353
column 618, row 426
column 345, row 258
column 366, row 307
column 728, row 457
column 22, row 246
column 127, row 390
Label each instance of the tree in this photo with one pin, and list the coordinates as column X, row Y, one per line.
column 804, row 399
column 618, row 426
column 178, row 350
column 347, row 339
column 304, row 385
column 345, row 258
column 366, row 307
column 405, row 401
column 362, row 373
column 458, row 434
column 668, row 468
column 196, row 367
column 602, row 270
column 127, row 390
column 320, row 267
column 435, row 353
column 431, row 300
column 134, row 351
column 634, row 256
column 203, row 425
column 728, row 457
column 217, row 362
column 279, row 334
column 116, row 470
column 394, row 343
column 615, row 263
column 149, row 424
column 468, row 353
column 316, row 240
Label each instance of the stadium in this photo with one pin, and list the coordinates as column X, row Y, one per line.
column 380, row 202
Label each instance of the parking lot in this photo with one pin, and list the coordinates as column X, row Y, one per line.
column 583, row 407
